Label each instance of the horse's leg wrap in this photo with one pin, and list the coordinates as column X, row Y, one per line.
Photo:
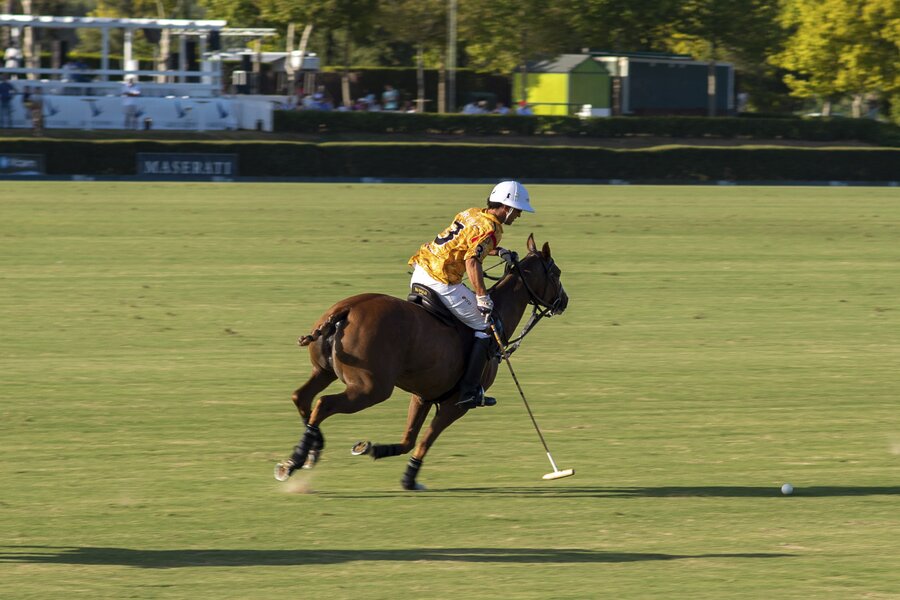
column 315, row 450
column 311, row 437
column 385, row 450
column 318, row 441
column 412, row 471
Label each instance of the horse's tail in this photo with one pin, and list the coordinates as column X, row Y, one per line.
column 326, row 329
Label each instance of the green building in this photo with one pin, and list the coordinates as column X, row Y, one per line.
column 563, row 85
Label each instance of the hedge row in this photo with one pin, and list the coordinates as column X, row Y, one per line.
column 318, row 122
column 423, row 160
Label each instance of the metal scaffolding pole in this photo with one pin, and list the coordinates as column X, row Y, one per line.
column 451, row 55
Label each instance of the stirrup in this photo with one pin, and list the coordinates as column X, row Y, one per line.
column 477, row 399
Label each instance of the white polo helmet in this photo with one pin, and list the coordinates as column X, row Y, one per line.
column 511, row 193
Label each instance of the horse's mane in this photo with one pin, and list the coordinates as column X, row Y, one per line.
column 509, row 276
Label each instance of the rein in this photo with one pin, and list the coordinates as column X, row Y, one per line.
column 491, row 277
column 539, row 307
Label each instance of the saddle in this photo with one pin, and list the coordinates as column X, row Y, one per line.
column 426, row 298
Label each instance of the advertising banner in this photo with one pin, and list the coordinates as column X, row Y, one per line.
column 187, row 165
column 21, row 164
column 107, row 112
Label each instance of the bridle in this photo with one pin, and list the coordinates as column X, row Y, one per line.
column 540, row 308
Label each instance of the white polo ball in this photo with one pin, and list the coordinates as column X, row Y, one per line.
column 787, row 489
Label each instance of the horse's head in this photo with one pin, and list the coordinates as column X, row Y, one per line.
column 541, row 276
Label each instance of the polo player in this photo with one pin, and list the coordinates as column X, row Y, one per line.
column 460, row 249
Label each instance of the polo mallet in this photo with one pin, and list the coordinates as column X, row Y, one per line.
column 556, row 474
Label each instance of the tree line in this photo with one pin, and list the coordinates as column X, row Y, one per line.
column 788, row 54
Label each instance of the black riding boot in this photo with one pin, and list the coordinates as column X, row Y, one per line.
column 471, row 392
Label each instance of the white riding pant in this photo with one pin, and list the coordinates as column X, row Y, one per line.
column 457, row 297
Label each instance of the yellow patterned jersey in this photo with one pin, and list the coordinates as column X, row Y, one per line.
column 472, row 234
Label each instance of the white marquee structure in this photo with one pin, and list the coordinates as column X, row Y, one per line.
column 170, row 99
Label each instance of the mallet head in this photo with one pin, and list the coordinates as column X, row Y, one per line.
column 560, row 474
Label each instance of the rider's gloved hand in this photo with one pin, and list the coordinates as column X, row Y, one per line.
column 509, row 256
column 485, row 305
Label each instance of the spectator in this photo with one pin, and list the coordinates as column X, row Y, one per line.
column 82, row 68
column 7, row 91
column 319, row 102
column 326, row 100
column 299, row 93
column 12, row 58
column 130, row 93
column 390, row 98
column 500, row 109
column 472, row 108
column 34, row 104
column 524, row 109
column 68, row 73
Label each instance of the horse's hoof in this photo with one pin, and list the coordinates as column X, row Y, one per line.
column 361, row 448
column 312, row 459
column 415, row 487
column 283, row 470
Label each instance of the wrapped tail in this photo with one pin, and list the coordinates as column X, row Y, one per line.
column 326, row 329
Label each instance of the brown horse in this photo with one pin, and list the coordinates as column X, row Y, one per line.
column 374, row 342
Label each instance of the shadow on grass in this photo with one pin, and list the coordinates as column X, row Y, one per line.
column 172, row 559
column 721, row 491
column 562, row 491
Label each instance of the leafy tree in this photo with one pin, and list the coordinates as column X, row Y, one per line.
column 90, row 40
column 501, row 35
column 423, row 24
column 354, row 18
column 620, row 25
column 743, row 32
column 238, row 13
column 32, row 44
column 841, row 47
column 349, row 22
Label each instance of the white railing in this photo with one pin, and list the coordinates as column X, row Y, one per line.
column 69, row 82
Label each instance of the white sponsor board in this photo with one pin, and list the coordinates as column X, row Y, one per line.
column 170, row 113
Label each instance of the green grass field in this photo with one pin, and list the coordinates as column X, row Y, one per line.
column 719, row 342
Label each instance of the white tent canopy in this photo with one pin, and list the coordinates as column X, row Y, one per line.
column 176, row 98
column 178, row 25
column 183, row 28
